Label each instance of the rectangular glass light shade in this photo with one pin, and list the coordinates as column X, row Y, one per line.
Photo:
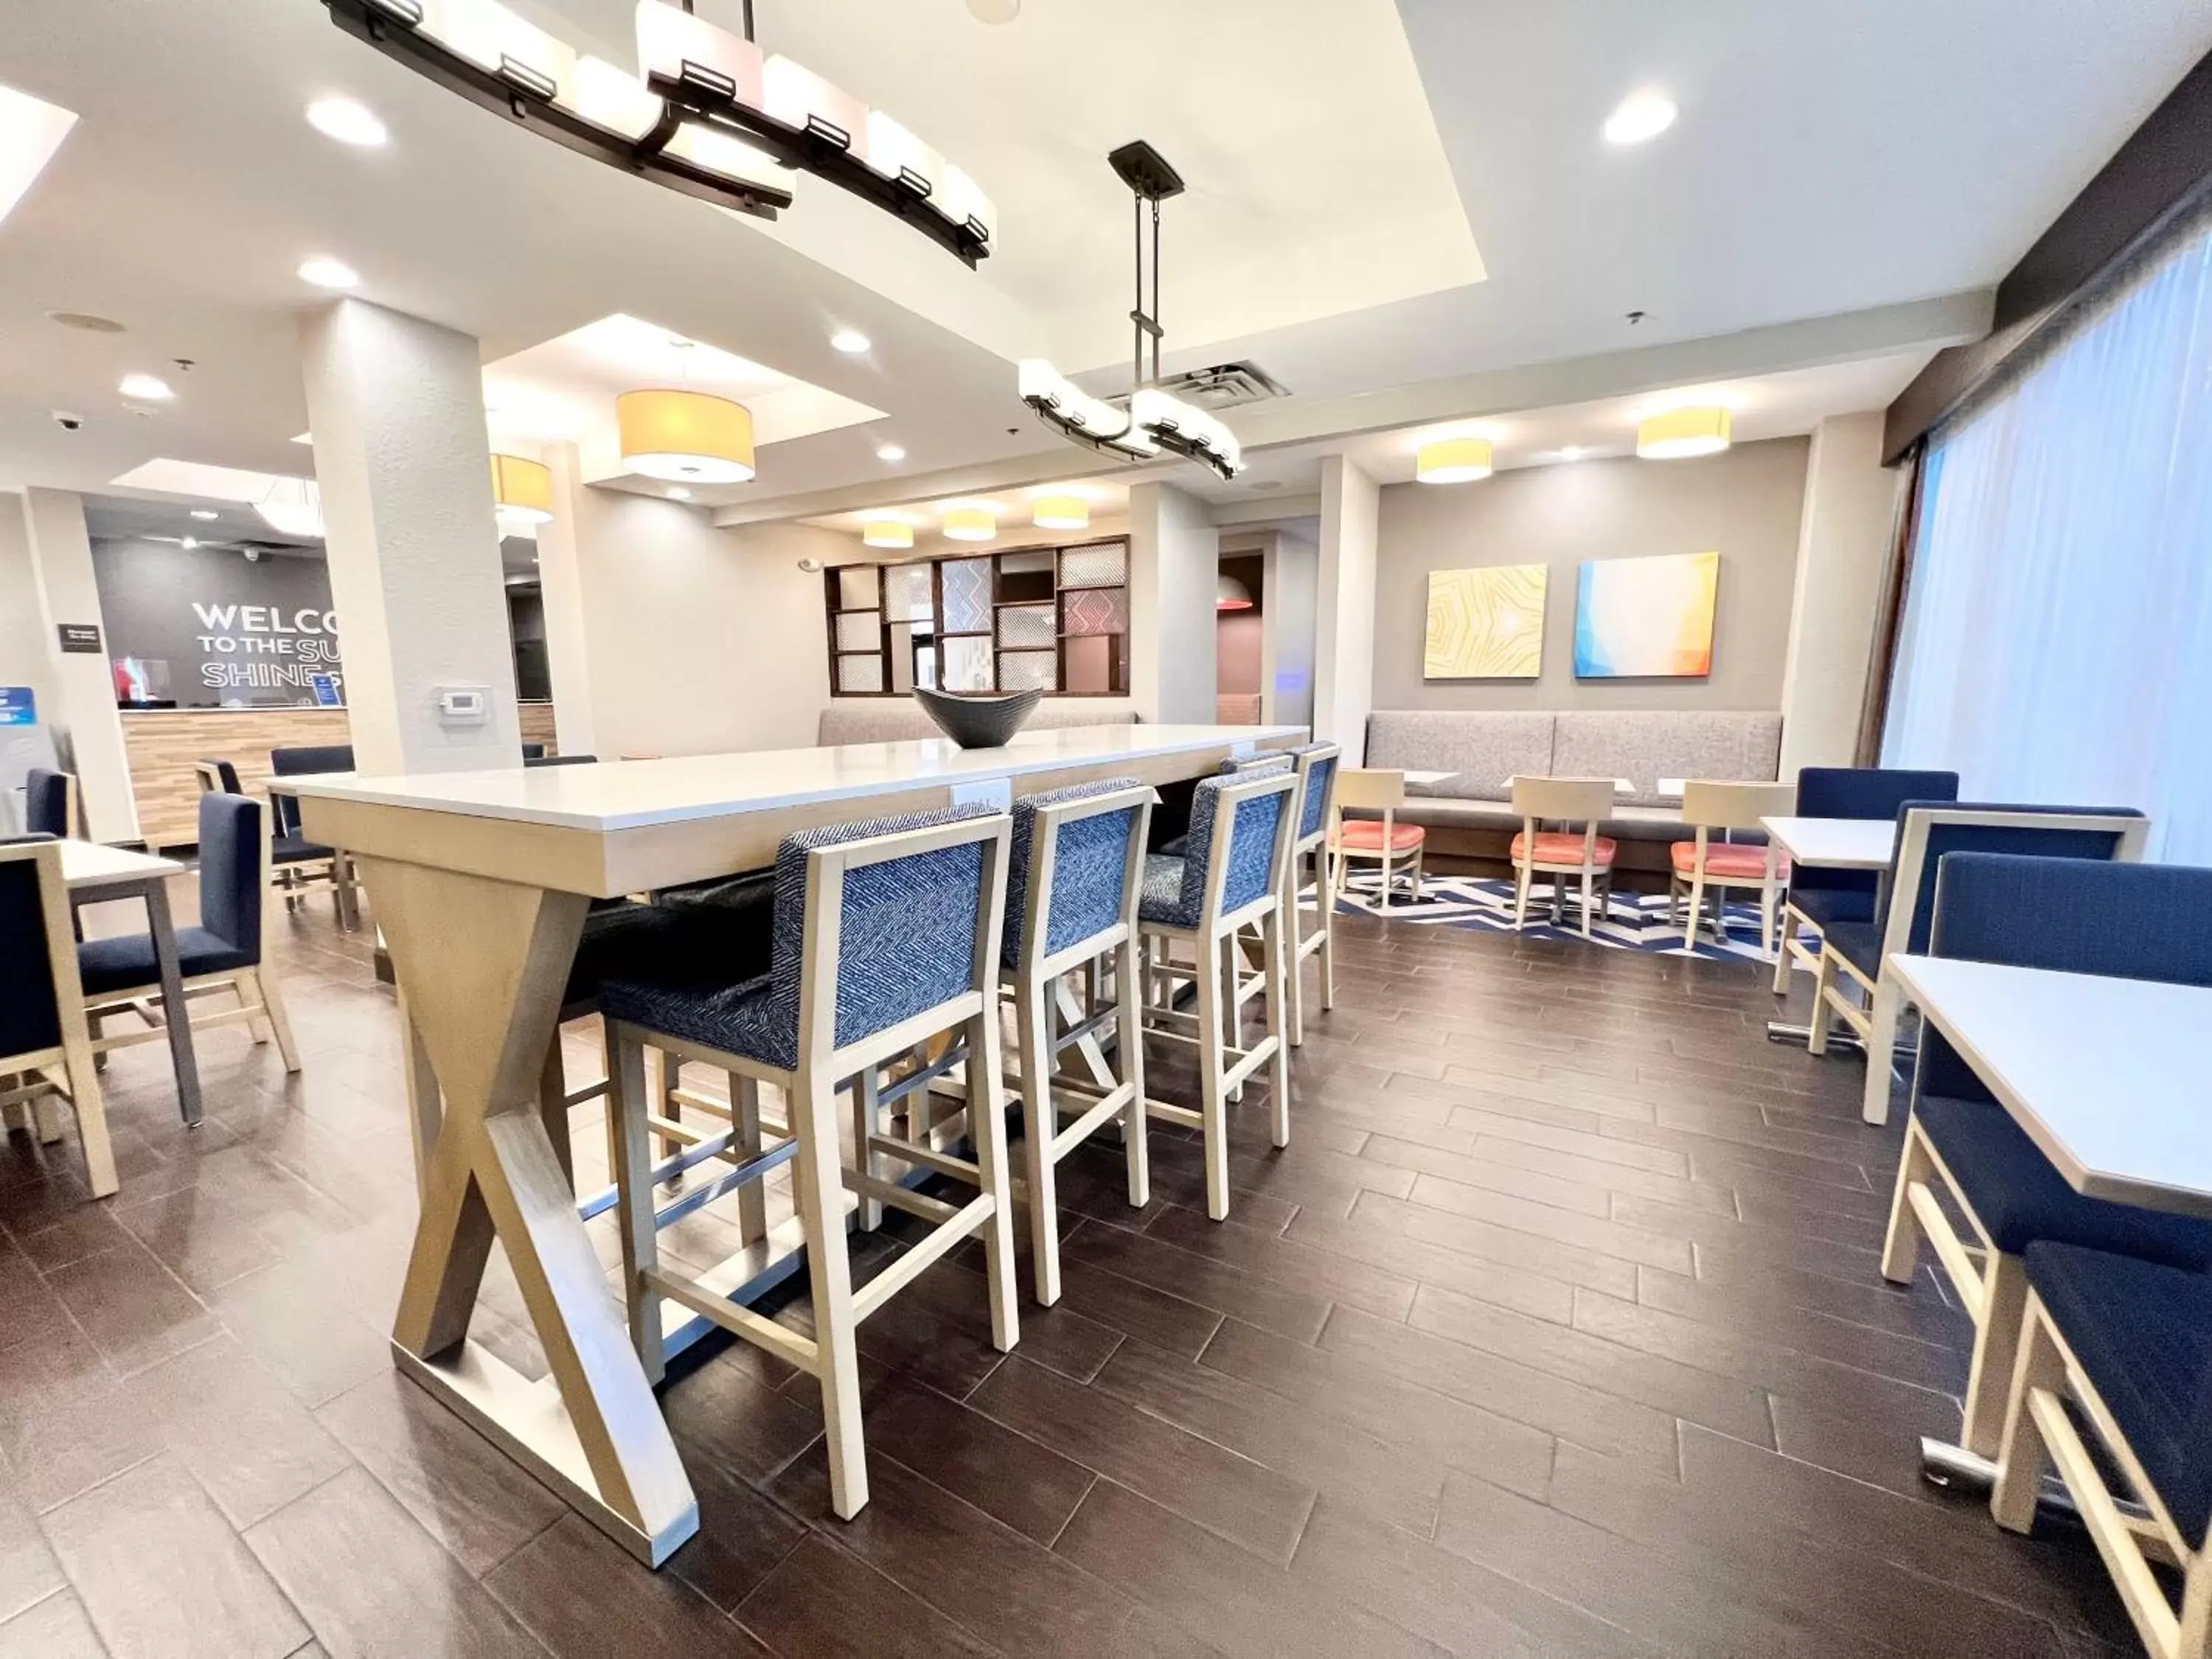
column 611, row 97
column 493, row 38
column 901, row 157
column 670, row 40
column 727, row 157
column 1041, row 382
column 1150, row 409
column 800, row 98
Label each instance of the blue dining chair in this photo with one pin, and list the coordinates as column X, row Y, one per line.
column 2127, row 1344
column 1852, row 952
column 1819, row 898
column 302, row 865
column 45, row 1042
column 2073, row 915
column 222, row 952
column 50, row 803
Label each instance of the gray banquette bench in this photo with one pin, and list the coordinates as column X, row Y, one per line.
column 1470, row 815
column 896, row 719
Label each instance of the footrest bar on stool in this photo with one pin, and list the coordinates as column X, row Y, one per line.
column 729, row 1182
column 1956, row 1470
column 668, row 1169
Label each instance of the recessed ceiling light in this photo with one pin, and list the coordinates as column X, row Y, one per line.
column 323, row 271
column 995, row 12
column 1641, row 116
column 850, row 341
column 204, row 512
column 348, row 122
column 85, row 320
column 679, row 493
column 891, row 452
column 150, row 388
column 31, row 130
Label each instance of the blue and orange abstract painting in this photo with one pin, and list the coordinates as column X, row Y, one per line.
column 1646, row 619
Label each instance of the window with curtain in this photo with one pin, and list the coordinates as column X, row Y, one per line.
column 2057, row 645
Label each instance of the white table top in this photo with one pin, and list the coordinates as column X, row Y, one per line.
column 2105, row 1075
column 1625, row 786
column 1415, row 775
column 1835, row 843
column 89, row 864
column 615, row 795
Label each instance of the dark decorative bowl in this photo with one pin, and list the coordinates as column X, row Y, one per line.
column 982, row 720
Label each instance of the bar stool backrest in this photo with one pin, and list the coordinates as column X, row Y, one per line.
column 880, row 923
column 1568, row 800
column 1240, row 827
column 232, row 878
column 38, row 950
column 1077, row 855
column 50, row 803
column 2124, row 920
column 1318, row 764
column 1928, row 830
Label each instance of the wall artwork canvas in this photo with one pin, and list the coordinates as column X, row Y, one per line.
column 1485, row 624
column 1646, row 619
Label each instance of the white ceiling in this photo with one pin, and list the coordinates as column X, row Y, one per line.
column 1828, row 160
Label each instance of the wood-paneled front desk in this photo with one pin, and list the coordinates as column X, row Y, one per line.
column 479, row 881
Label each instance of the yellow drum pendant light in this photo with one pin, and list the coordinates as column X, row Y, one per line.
column 522, row 490
column 685, row 437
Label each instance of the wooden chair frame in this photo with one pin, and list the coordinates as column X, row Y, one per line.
column 1041, row 1041
column 1223, row 989
column 1321, row 941
column 1875, row 1012
column 38, row 1079
column 261, row 1001
column 1586, row 801
column 811, row 1091
column 2038, row 1432
column 1372, row 789
column 1709, row 806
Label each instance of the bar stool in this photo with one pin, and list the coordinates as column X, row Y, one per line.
column 1317, row 764
column 886, row 935
column 1561, row 854
column 1386, row 840
column 1077, row 869
column 1232, row 876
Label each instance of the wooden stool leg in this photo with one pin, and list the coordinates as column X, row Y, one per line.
column 1996, row 1346
column 986, row 1124
column 1213, row 1109
column 2023, row 1456
column 1033, row 1018
column 1289, row 902
column 671, row 1079
column 1328, row 906
column 867, row 1123
column 1232, row 1004
column 280, row 1021
column 1128, row 989
column 752, row 1202
column 1782, row 957
column 1900, row 1245
column 626, row 1104
column 91, row 1117
column 820, row 1189
column 1278, row 1027
column 1696, row 901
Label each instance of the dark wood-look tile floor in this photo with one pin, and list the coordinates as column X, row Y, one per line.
column 1558, row 1331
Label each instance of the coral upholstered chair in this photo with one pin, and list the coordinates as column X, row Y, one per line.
column 1566, row 851
column 1703, row 862
column 1384, row 839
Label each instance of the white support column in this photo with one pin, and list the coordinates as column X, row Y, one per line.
column 83, row 685
column 1343, row 644
column 1175, row 568
column 560, row 587
column 395, row 405
column 1843, row 553
column 1286, row 668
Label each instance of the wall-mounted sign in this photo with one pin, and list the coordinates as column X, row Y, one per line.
column 209, row 628
column 326, row 692
column 80, row 639
column 18, row 706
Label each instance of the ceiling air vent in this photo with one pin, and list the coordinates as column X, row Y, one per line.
column 1225, row 385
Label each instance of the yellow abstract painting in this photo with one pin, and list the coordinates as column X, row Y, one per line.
column 1485, row 624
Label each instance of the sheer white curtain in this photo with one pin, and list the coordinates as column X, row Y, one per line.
column 2057, row 637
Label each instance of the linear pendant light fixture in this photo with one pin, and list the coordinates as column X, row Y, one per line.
column 1155, row 420
column 708, row 114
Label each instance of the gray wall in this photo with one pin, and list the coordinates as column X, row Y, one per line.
column 165, row 603
column 1745, row 504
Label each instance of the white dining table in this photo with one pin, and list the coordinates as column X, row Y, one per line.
column 1427, row 780
column 95, row 873
column 1828, row 844
column 2105, row 1075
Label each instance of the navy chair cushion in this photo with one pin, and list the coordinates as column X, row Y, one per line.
column 126, row 962
column 1826, row 906
column 1092, row 857
column 296, row 849
column 30, row 1020
column 2019, row 1197
column 45, row 803
column 2142, row 1334
column 1251, row 840
column 230, row 874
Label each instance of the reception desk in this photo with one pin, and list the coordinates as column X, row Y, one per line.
column 162, row 744
column 480, row 881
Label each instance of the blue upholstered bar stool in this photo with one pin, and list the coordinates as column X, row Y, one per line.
column 50, row 803
column 45, row 1042
column 2072, row 916
column 887, row 934
column 2129, row 1343
column 1853, row 985
column 1077, row 869
column 1315, row 766
column 1232, row 876
column 1818, row 897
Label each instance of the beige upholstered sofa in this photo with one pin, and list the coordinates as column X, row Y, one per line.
column 894, row 719
column 1469, row 815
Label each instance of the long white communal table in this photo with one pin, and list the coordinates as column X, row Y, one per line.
column 2105, row 1075
column 479, row 882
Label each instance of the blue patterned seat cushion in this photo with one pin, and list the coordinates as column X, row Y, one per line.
column 2142, row 1333
column 1088, row 867
column 1824, row 907
column 1251, row 843
column 907, row 945
column 2019, row 1197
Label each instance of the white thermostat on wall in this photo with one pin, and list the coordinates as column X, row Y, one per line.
column 464, row 704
